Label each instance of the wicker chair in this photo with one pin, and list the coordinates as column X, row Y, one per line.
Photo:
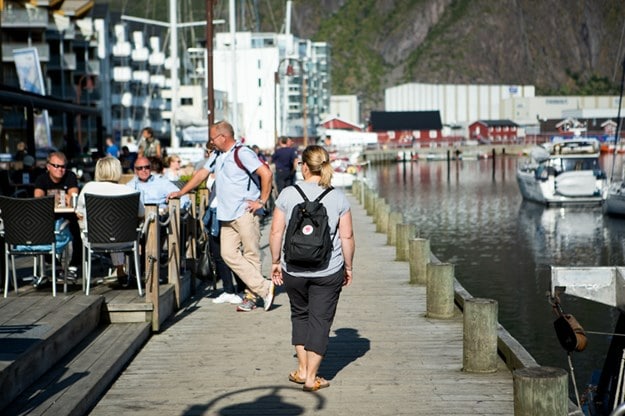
column 29, row 230
column 111, row 227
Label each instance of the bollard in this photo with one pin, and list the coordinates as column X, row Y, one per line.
column 377, row 203
column 440, row 291
column 356, row 188
column 479, row 341
column 419, row 249
column 370, row 203
column 367, row 201
column 394, row 218
column 405, row 232
column 382, row 218
column 540, row 391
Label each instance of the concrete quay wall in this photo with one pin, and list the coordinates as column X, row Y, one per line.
column 422, row 153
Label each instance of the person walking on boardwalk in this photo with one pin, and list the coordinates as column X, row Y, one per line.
column 238, row 203
column 285, row 160
column 313, row 293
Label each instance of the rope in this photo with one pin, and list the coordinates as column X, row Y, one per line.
column 579, row 404
column 611, row 334
column 166, row 222
column 146, row 223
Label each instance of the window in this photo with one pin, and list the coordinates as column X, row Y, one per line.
column 186, row 101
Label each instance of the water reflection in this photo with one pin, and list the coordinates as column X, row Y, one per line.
column 503, row 247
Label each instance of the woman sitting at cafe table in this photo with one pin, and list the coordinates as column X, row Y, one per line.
column 108, row 172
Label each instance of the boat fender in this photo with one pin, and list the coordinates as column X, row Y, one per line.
column 570, row 333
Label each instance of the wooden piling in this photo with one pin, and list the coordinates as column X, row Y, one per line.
column 440, row 290
column 382, row 218
column 377, row 206
column 479, row 354
column 370, row 197
column 394, row 218
column 405, row 232
column 540, row 391
column 419, row 258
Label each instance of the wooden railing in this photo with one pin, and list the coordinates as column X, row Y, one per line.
column 183, row 230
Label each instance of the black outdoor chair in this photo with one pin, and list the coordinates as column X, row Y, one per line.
column 29, row 230
column 111, row 226
column 8, row 187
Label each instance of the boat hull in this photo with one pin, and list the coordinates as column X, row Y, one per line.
column 615, row 201
column 574, row 188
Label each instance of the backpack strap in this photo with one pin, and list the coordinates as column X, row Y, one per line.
column 242, row 166
column 296, row 186
column 324, row 193
column 318, row 199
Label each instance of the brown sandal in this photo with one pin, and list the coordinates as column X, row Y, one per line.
column 295, row 378
column 320, row 383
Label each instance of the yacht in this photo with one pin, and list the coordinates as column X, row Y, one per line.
column 562, row 172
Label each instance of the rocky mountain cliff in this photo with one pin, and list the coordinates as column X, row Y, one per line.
column 560, row 46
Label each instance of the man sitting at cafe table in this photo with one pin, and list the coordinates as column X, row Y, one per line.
column 59, row 180
column 153, row 187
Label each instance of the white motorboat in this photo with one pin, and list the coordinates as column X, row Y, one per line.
column 615, row 201
column 563, row 172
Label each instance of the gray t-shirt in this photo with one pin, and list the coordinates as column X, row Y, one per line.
column 336, row 205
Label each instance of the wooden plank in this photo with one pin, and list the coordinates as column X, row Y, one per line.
column 384, row 356
column 27, row 355
column 78, row 381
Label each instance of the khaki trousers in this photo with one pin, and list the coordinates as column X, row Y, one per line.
column 240, row 249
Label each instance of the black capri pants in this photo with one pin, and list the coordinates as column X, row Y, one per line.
column 313, row 306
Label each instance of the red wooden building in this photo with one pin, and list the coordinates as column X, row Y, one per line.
column 494, row 131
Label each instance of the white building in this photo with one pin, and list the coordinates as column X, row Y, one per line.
column 271, row 97
column 531, row 110
column 347, row 107
column 458, row 104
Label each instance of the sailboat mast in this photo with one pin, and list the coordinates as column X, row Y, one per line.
column 619, row 123
column 210, row 91
column 173, row 47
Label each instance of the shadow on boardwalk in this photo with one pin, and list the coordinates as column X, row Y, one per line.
column 385, row 357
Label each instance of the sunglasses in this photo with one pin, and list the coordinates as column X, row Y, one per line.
column 54, row 165
column 142, row 167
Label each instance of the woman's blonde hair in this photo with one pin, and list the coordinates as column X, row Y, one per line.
column 318, row 162
column 171, row 158
column 108, row 169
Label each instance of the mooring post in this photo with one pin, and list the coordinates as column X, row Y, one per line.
column 440, row 290
column 370, row 201
column 419, row 258
column 394, row 218
column 540, row 391
column 479, row 353
column 405, row 232
column 377, row 205
column 382, row 218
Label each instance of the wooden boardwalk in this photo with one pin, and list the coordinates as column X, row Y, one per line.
column 384, row 358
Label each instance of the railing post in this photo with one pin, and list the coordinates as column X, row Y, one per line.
column 192, row 229
column 174, row 248
column 152, row 267
column 480, row 336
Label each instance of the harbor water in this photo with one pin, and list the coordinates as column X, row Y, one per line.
column 502, row 247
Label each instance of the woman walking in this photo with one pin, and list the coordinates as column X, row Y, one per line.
column 313, row 294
